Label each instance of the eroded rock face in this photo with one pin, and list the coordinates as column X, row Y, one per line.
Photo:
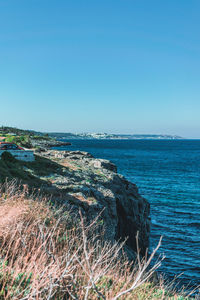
column 94, row 185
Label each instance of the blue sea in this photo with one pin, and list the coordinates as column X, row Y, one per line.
column 167, row 173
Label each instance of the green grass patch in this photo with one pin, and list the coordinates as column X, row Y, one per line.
column 23, row 140
column 29, row 172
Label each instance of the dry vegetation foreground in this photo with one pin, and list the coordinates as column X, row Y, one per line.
column 50, row 253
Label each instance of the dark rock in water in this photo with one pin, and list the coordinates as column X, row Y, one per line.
column 94, row 185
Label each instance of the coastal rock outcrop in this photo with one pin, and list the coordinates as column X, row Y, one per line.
column 95, row 186
column 45, row 144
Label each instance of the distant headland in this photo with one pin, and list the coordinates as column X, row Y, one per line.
column 101, row 136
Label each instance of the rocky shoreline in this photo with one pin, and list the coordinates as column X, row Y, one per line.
column 44, row 145
column 95, row 186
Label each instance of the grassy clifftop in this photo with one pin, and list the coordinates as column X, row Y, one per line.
column 21, row 137
column 17, row 131
column 27, row 172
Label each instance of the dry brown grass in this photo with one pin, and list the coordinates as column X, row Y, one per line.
column 52, row 254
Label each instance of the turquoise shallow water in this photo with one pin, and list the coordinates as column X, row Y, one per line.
column 167, row 173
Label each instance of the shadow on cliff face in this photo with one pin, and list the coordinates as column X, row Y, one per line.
column 129, row 226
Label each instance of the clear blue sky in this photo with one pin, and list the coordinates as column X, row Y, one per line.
column 129, row 66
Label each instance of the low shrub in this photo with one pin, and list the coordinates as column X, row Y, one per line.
column 22, row 140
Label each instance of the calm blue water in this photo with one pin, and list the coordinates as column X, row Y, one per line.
column 167, row 173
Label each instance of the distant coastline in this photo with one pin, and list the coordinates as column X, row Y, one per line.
column 101, row 136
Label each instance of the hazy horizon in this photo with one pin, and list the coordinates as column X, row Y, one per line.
column 129, row 67
column 102, row 132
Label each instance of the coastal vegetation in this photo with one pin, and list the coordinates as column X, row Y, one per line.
column 26, row 172
column 21, row 137
column 16, row 131
column 28, row 138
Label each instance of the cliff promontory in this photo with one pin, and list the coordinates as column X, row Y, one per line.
column 95, row 186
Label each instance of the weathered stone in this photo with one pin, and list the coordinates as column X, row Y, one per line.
column 104, row 164
column 94, row 185
column 47, row 144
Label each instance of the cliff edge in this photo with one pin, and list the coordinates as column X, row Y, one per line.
column 95, row 186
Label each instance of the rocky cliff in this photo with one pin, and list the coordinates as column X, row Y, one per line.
column 94, row 185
